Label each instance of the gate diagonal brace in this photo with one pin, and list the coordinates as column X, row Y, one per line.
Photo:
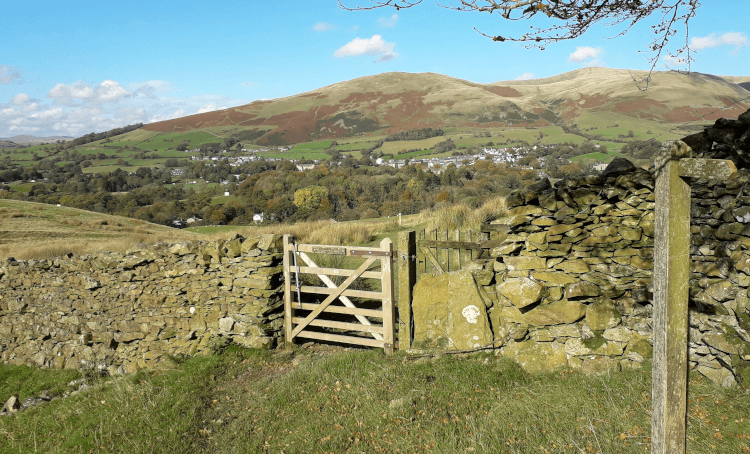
column 339, row 290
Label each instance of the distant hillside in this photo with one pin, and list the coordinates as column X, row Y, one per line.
column 393, row 102
column 31, row 230
column 32, row 140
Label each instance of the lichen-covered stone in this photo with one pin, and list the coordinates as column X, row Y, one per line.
column 555, row 313
column 449, row 312
column 521, row 291
column 534, row 357
column 525, row 263
column 581, row 289
column 602, row 315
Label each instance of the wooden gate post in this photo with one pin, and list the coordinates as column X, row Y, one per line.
column 407, row 277
column 389, row 325
column 671, row 285
column 288, row 309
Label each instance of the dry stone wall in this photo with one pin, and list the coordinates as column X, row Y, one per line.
column 570, row 284
column 125, row 312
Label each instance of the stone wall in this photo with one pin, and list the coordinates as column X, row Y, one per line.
column 570, row 284
column 130, row 311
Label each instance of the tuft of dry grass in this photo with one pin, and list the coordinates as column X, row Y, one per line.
column 322, row 232
column 453, row 217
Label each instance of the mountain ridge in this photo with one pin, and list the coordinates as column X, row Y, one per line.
column 397, row 101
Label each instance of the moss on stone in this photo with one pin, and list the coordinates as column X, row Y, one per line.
column 742, row 374
column 642, row 347
column 595, row 342
column 744, row 321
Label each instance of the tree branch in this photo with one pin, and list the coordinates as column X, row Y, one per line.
column 575, row 17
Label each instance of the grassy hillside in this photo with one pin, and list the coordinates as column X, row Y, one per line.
column 35, row 231
column 359, row 112
column 393, row 102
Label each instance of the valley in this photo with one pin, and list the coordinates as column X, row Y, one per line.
column 360, row 141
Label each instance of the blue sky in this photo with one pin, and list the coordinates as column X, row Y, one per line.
column 70, row 68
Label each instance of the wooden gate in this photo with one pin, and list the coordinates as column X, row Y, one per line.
column 344, row 312
column 442, row 251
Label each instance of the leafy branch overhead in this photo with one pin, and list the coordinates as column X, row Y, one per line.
column 572, row 18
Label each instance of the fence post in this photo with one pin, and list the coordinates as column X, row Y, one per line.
column 389, row 325
column 407, row 277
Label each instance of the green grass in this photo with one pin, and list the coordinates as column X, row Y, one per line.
column 329, row 400
column 414, row 154
column 598, row 156
column 212, row 229
column 23, row 381
column 223, row 199
column 295, row 154
column 23, row 187
column 321, row 145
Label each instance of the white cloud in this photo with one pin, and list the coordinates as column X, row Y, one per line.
column 210, row 108
column 20, row 99
column 322, row 27
column 735, row 39
column 388, row 22
column 150, row 88
column 525, row 76
column 9, row 74
column 585, row 54
column 79, row 108
column 176, row 114
column 81, row 92
column 368, row 46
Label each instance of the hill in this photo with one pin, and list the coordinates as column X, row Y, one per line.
column 33, row 140
column 31, row 230
column 393, row 102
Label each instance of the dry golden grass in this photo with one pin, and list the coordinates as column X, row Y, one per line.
column 34, row 231
column 454, row 217
column 31, row 231
column 326, row 232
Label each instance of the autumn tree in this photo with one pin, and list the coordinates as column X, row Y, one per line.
column 310, row 197
column 570, row 19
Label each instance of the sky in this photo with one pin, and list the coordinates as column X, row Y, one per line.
column 71, row 68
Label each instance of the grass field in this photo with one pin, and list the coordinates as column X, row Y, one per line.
column 319, row 146
column 31, row 230
column 326, row 399
column 294, row 154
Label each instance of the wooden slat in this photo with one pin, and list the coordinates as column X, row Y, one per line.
column 344, row 310
column 309, row 248
column 339, row 272
column 428, row 254
column 338, row 291
column 330, row 284
column 339, row 338
column 372, row 329
column 458, row 250
column 450, row 244
column 329, row 291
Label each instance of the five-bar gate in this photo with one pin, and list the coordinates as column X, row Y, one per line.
column 344, row 312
